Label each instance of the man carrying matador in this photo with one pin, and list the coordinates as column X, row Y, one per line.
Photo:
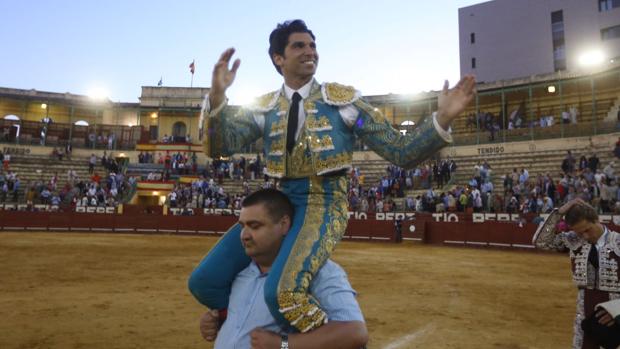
column 308, row 131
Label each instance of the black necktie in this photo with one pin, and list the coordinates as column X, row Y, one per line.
column 593, row 256
column 293, row 116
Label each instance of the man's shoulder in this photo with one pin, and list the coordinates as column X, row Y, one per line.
column 339, row 95
column 332, row 267
column 265, row 102
column 614, row 241
column 330, row 272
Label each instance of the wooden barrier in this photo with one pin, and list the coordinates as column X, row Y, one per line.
column 424, row 228
column 370, row 230
column 414, row 230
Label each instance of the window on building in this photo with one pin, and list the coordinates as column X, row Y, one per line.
column 559, row 53
column 557, row 31
column 472, row 38
column 178, row 129
column 81, row 123
column 473, row 63
column 610, row 33
column 153, row 132
column 607, row 5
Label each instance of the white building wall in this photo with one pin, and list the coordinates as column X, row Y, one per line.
column 514, row 37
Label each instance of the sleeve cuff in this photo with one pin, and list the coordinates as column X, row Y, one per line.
column 612, row 307
column 446, row 135
column 207, row 106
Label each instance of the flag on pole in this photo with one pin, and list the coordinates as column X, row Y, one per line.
column 192, row 67
column 161, row 82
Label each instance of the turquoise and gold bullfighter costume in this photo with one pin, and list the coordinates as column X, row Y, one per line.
column 313, row 176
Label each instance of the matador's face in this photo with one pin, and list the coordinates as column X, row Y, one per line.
column 300, row 58
column 589, row 231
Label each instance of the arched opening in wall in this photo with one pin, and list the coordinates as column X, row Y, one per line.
column 9, row 131
column 179, row 131
column 406, row 126
column 80, row 135
column 11, row 117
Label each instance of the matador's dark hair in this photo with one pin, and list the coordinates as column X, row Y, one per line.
column 580, row 212
column 279, row 37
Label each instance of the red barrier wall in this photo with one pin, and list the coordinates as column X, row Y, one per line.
column 370, row 230
column 423, row 228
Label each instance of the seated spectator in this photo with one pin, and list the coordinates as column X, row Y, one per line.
column 92, row 161
column 55, row 201
column 573, row 114
column 57, row 154
column 6, row 160
column 609, row 171
column 45, row 196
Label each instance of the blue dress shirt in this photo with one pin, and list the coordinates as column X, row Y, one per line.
column 247, row 309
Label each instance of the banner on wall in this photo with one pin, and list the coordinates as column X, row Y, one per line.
column 445, row 217
column 88, row 209
column 24, row 207
column 55, row 208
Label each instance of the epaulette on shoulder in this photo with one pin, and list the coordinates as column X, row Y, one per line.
column 337, row 94
column 265, row 102
column 615, row 242
column 573, row 241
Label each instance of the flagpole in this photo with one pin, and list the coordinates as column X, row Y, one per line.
column 191, row 85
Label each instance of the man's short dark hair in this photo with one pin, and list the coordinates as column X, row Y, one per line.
column 279, row 37
column 278, row 205
column 580, row 212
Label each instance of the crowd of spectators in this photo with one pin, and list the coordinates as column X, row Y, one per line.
column 379, row 197
column 96, row 190
column 517, row 118
column 93, row 191
column 176, row 139
column 206, row 193
column 584, row 177
column 101, row 140
column 5, row 161
column 9, row 186
column 524, row 194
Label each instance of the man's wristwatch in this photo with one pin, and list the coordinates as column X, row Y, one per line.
column 284, row 343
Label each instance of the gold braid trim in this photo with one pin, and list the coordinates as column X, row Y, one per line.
column 317, row 124
column 265, row 102
column 298, row 307
column 300, row 311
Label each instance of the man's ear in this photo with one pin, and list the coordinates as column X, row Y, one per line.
column 286, row 223
column 277, row 59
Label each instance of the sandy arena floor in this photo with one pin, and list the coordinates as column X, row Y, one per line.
column 129, row 291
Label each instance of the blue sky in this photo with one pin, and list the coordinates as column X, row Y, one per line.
column 391, row 46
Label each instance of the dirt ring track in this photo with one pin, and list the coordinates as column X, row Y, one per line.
column 68, row 290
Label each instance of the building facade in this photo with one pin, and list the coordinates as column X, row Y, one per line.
column 508, row 39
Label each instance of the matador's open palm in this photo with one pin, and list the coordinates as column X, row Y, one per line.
column 223, row 76
column 452, row 102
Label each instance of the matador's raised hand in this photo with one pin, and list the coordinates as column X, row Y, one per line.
column 452, row 102
column 222, row 77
